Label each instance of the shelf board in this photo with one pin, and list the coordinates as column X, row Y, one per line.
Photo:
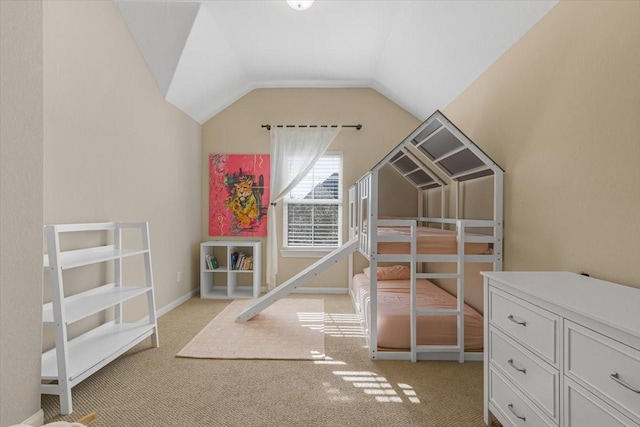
column 216, row 270
column 246, row 292
column 93, row 350
column 218, row 292
column 226, row 270
column 85, row 304
column 222, row 292
column 80, row 257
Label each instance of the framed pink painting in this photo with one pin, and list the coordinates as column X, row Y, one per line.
column 238, row 194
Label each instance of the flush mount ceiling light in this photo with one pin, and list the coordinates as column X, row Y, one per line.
column 300, row 4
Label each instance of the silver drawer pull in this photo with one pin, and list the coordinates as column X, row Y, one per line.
column 510, row 405
column 510, row 362
column 514, row 320
column 617, row 379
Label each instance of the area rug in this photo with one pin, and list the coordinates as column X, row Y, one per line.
column 289, row 329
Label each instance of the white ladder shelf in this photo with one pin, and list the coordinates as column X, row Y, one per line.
column 72, row 361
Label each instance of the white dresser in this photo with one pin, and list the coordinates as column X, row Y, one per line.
column 561, row 349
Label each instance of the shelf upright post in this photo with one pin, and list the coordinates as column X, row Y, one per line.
column 149, row 283
column 59, row 319
column 117, row 265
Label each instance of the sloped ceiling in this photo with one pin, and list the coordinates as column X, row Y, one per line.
column 420, row 54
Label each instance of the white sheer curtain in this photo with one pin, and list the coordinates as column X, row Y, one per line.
column 294, row 151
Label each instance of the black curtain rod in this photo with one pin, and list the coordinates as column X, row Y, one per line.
column 358, row 126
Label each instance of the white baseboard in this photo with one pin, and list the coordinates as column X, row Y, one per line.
column 35, row 420
column 308, row 290
column 173, row 304
column 176, row 302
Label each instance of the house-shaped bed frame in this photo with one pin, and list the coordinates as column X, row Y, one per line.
column 434, row 156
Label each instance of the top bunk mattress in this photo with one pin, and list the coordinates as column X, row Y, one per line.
column 430, row 241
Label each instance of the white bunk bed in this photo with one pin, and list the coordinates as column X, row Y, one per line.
column 436, row 155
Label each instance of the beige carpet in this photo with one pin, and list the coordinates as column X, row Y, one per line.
column 151, row 387
column 290, row 329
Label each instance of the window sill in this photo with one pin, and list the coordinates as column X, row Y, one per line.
column 305, row 253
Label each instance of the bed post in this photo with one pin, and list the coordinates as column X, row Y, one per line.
column 498, row 188
column 443, row 200
column 421, row 199
column 457, row 184
column 353, row 215
column 460, row 307
column 373, row 262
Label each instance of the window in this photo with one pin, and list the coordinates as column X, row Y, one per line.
column 313, row 209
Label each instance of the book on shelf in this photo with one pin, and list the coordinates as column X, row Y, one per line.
column 241, row 261
column 212, row 262
column 234, row 259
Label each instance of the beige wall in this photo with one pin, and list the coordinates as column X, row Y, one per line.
column 21, row 194
column 115, row 150
column 236, row 130
column 559, row 112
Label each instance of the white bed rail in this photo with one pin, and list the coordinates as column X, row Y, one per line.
column 364, row 225
column 413, row 258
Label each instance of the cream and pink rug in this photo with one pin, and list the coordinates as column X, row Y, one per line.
column 289, row 329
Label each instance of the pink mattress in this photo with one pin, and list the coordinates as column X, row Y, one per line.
column 430, row 241
column 394, row 309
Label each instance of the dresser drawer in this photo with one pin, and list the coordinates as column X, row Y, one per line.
column 608, row 368
column 512, row 404
column 536, row 379
column 531, row 326
column 582, row 409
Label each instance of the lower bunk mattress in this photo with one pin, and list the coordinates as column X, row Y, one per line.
column 394, row 314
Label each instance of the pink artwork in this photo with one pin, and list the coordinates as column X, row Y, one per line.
column 238, row 194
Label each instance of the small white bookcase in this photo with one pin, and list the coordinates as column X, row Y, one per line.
column 227, row 280
column 73, row 360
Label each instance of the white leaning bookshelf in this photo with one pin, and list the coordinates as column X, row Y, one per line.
column 73, row 360
column 231, row 277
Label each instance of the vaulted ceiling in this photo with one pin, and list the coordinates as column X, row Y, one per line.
column 420, row 54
